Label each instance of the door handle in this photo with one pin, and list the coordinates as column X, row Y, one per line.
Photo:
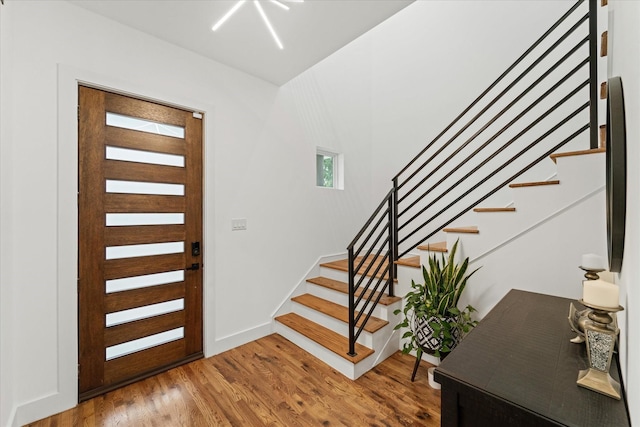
column 194, row 266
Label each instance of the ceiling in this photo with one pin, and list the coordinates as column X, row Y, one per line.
column 309, row 31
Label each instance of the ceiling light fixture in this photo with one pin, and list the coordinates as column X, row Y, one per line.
column 239, row 3
column 267, row 23
column 228, row 15
column 278, row 3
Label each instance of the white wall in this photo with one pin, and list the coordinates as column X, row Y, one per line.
column 260, row 160
column 434, row 60
column 377, row 100
column 624, row 41
column 428, row 62
column 6, row 307
column 422, row 67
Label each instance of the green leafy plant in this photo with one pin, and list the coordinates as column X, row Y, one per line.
column 436, row 301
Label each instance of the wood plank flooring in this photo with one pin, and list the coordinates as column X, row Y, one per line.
column 266, row 382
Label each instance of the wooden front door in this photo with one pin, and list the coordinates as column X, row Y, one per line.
column 139, row 239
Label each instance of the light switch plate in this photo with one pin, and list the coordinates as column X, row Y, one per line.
column 238, row 224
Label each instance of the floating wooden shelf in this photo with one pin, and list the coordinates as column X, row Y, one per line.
column 434, row 247
column 413, row 261
column 555, row 156
column 533, row 184
column 482, row 210
column 466, row 230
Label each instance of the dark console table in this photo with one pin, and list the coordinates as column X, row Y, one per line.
column 518, row 368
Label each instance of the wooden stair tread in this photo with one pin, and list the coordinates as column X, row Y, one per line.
column 533, row 184
column 494, row 209
column 325, row 337
column 338, row 311
column 413, row 261
column 555, row 156
column 343, row 265
column 434, row 247
column 343, row 287
column 468, row 230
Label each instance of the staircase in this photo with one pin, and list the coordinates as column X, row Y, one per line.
column 499, row 147
column 319, row 321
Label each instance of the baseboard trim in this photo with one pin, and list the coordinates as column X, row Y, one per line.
column 13, row 419
column 41, row 408
column 235, row 340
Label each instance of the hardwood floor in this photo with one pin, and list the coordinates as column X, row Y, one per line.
column 268, row 382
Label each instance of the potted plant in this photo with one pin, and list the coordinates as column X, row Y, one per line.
column 435, row 323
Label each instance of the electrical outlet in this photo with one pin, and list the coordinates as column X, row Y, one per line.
column 238, row 224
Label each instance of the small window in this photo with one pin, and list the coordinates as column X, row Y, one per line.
column 329, row 167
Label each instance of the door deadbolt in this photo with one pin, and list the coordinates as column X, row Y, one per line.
column 195, row 248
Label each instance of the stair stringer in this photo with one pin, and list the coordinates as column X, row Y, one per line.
column 544, row 258
column 579, row 177
column 301, row 287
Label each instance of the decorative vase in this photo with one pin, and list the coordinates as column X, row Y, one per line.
column 425, row 336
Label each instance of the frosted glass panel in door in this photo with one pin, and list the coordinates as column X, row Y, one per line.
column 137, row 187
column 134, row 123
column 124, row 316
column 137, row 282
column 120, row 219
column 141, row 156
column 144, row 343
column 150, row 249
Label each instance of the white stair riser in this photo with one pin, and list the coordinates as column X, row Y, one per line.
column 332, row 273
column 589, row 169
column 387, row 344
column 578, row 176
column 337, row 362
column 405, row 276
column 341, row 298
column 338, row 326
column 342, row 276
